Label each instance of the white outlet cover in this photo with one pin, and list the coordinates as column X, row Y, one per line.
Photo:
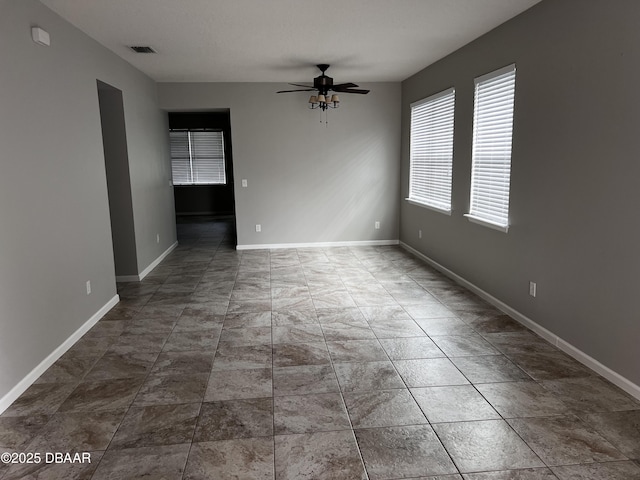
column 244, row 182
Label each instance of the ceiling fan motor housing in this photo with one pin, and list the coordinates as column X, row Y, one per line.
column 323, row 83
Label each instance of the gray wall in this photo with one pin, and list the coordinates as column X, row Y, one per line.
column 116, row 160
column 54, row 210
column 150, row 170
column 307, row 182
column 575, row 169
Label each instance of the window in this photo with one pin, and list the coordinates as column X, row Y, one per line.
column 491, row 163
column 197, row 157
column 432, row 151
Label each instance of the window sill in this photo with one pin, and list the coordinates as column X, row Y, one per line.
column 430, row 207
column 485, row 223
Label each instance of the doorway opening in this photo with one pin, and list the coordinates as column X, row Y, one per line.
column 202, row 170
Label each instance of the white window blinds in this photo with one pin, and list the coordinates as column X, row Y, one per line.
column 197, row 157
column 492, row 133
column 432, row 150
column 180, row 157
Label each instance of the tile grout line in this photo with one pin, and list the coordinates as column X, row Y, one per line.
column 197, row 422
column 341, row 393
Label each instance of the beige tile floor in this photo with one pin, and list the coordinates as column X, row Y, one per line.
column 337, row 363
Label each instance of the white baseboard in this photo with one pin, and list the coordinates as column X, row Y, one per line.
column 157, row 261
column 127, row 278
column 146, row 271
column 363, row 243
column 26, row 382
column 614, row 377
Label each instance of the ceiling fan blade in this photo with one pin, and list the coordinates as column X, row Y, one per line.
column 343, row 86
column 301, row 90
column 305, row 86
column 351, row 90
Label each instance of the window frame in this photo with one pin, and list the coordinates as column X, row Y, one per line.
column 494, row 82
column 442, row 104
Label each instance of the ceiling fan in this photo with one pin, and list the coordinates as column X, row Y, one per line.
column 324, row 84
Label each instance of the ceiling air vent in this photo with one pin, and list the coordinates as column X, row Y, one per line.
column 142, row 49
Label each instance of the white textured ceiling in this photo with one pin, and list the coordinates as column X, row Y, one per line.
column 282, row 40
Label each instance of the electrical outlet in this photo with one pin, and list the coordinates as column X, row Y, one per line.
column 157, row 238
column 258, row 228
column 533, row 287
column 88, row 287
column 244, row 183
column 377, row 225
column 419, row 233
